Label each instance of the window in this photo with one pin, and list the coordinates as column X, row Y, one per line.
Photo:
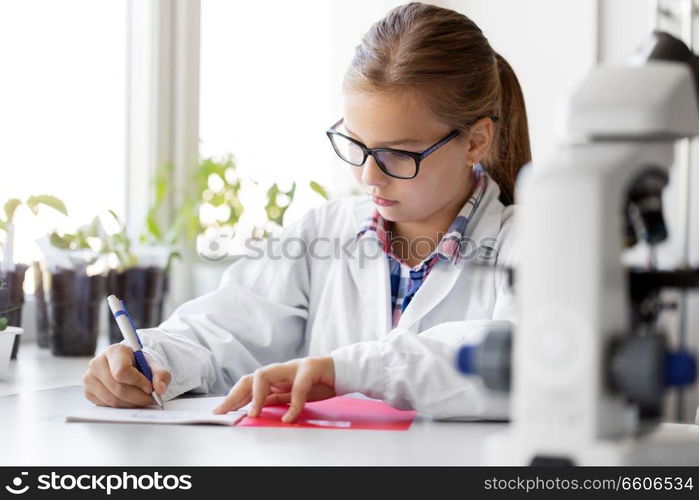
column 63, row 102
column 267, row 95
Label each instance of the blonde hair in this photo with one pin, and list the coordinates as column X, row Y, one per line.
column 441, row 58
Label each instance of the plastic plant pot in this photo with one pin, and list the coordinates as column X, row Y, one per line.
column 74, row 304
column 42, row 321
column 11, row 299
column 8, row 336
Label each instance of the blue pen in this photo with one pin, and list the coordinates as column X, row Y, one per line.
column 121, row 315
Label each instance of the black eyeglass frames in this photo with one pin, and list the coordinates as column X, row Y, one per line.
column 396, row 163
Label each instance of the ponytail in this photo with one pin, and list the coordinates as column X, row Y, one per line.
column 511, row 148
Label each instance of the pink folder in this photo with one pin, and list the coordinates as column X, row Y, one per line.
column 337, row 413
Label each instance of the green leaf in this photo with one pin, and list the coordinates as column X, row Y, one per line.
column 60, row 241
column 275, row 213
column 3, row 323
column 319, row 189
column 272, row 192
column 161, row 178
column 46, row 199
column 173, row 255
column 121, row 241
column 93, row 228
column 10, row 207
column 116, row 218
column 81, row 239
column 152, row 226
column 173, row 233
column 126, row 259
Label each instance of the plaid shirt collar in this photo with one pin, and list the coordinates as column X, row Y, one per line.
column 449, row 246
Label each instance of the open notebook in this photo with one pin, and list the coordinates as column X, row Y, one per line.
column 343, row 412
column 177, row 411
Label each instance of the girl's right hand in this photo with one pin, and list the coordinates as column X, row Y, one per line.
column 112, row 379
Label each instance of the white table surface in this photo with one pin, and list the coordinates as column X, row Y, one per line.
column 36, row 368
column 35, row 433
column 40, row 389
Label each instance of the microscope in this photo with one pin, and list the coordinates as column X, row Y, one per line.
column 588, row 364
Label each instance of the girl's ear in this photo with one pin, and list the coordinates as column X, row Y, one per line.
column 479, row 139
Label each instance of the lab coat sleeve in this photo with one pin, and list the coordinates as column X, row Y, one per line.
column 257, row 316
column 418, row 370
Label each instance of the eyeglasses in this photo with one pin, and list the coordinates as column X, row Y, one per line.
column 394, row 162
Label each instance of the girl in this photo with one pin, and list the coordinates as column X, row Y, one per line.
column 370, row 294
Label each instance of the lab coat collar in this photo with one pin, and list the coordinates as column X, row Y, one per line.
column 368, row 261
column 481, row 234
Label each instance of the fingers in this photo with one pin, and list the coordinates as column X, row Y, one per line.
column 255, row 388
column 317, row 393
column 161, row 379
column 260, row 390
column 125, row 393
column 113, row 380
column 293, row 382
column 93, row 399
column 272, row 383
column 305, row 377
column 277, row 399
column 121, row 365
column 104, row 397
column 238, row 396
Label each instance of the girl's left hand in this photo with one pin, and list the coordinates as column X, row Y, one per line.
column 294, row 382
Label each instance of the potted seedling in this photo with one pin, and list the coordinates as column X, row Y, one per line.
column 11, row 273
column 217, row 221
column 215, row 216
column 209, row 217
column 215, row 207
column 278, row 202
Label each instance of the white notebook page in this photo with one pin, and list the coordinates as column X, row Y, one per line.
column 177, row 411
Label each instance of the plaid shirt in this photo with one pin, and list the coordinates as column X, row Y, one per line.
column 405, row 281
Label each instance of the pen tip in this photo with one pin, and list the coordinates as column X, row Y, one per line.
column 158, row 400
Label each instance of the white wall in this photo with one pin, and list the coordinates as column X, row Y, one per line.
column 615, row 43
column 550, row 44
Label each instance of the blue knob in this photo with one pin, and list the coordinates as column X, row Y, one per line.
column 680, row 368
column 467, row 359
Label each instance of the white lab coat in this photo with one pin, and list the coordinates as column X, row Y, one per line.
column 272, row 309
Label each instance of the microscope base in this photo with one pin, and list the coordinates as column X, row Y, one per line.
column 668, row 444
